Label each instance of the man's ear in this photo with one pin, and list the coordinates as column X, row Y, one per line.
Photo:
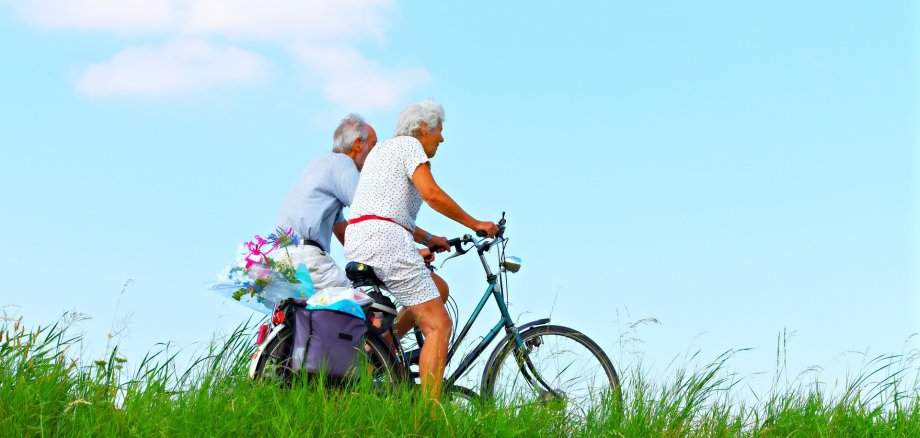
column 357, row 147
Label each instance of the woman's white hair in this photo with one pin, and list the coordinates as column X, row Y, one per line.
column 413, row 115
column 351, row 128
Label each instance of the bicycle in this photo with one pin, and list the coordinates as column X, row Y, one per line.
column 534, row 362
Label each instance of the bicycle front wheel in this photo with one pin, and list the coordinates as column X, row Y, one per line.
column 556, row 366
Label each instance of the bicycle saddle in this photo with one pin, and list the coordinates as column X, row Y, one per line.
column 361, row 275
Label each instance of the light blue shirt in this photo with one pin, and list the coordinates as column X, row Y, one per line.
column 315, row 202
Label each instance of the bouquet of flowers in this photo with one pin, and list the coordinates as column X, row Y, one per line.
column 263, row 275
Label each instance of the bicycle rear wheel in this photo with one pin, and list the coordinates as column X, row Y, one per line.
column 374, row 361
column 274, row 364
column 568, row 370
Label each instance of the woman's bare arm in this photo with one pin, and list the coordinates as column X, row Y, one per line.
column 441, row 202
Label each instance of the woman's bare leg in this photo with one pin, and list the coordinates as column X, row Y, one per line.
column 403, row 324
column 432, row 318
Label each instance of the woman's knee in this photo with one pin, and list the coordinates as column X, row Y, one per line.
column 439, row 323
column 432, row 317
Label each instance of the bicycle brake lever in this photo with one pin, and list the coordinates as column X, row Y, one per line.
column 455, row 254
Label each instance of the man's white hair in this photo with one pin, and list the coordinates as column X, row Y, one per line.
column 351, row 128
column 411, row 117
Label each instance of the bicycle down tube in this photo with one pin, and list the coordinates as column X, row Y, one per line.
column 505, row 322
column 494, row 289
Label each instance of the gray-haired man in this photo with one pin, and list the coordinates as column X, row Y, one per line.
column 313, row 206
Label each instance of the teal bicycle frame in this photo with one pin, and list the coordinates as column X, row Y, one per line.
column 513, row 332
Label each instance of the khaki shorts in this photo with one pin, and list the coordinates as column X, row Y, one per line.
column 323, row 270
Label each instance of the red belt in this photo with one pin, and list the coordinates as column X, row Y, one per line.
column 375, row 217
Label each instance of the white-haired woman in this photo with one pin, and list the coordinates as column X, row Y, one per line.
column 382, row 233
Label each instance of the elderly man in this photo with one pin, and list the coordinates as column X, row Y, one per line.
column 382, row 232
column 313, row 206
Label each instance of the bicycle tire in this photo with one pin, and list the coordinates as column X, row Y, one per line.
column 462, row 393
column 381, row 365
column 586, row 384
column 274, row 364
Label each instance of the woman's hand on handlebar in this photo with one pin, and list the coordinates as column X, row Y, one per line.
column 438, row 244
column 487, row 228
column 427, row 255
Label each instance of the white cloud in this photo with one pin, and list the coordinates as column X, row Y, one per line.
column 267, row 20
column 321, row 31
column 287, row 20
column 358, row 83
column 172, row 69
column 108, row 15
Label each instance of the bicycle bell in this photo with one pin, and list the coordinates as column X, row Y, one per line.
column 511, row 264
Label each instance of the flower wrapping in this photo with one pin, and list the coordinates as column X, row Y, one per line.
column 263, row 275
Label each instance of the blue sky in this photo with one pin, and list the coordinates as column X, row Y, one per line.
column 732, row 170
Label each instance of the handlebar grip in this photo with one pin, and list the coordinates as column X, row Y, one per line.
column 457, row 243
column 481, row 233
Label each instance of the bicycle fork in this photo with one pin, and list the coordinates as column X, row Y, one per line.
column 522, row 353
column 529, row 370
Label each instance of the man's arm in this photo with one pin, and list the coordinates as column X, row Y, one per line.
column 339, row 231
column 346, row 184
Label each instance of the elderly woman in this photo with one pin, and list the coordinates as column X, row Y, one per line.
column 396, row 178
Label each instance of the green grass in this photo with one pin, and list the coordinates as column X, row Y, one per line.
column 43, row 392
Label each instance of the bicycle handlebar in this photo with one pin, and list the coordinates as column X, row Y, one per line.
column 501, row 229
column 458, row 242
column 482, row 245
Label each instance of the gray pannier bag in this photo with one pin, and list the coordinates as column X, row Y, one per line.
column 326, row 341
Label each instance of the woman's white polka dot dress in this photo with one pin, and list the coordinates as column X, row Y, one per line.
column 386, row 190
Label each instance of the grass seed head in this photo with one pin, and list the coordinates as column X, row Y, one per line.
column 75, row 403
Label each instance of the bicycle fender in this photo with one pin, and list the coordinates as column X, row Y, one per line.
column 507, row 338
column 254, row 362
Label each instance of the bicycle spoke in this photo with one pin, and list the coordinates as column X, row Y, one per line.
column 558, row 369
